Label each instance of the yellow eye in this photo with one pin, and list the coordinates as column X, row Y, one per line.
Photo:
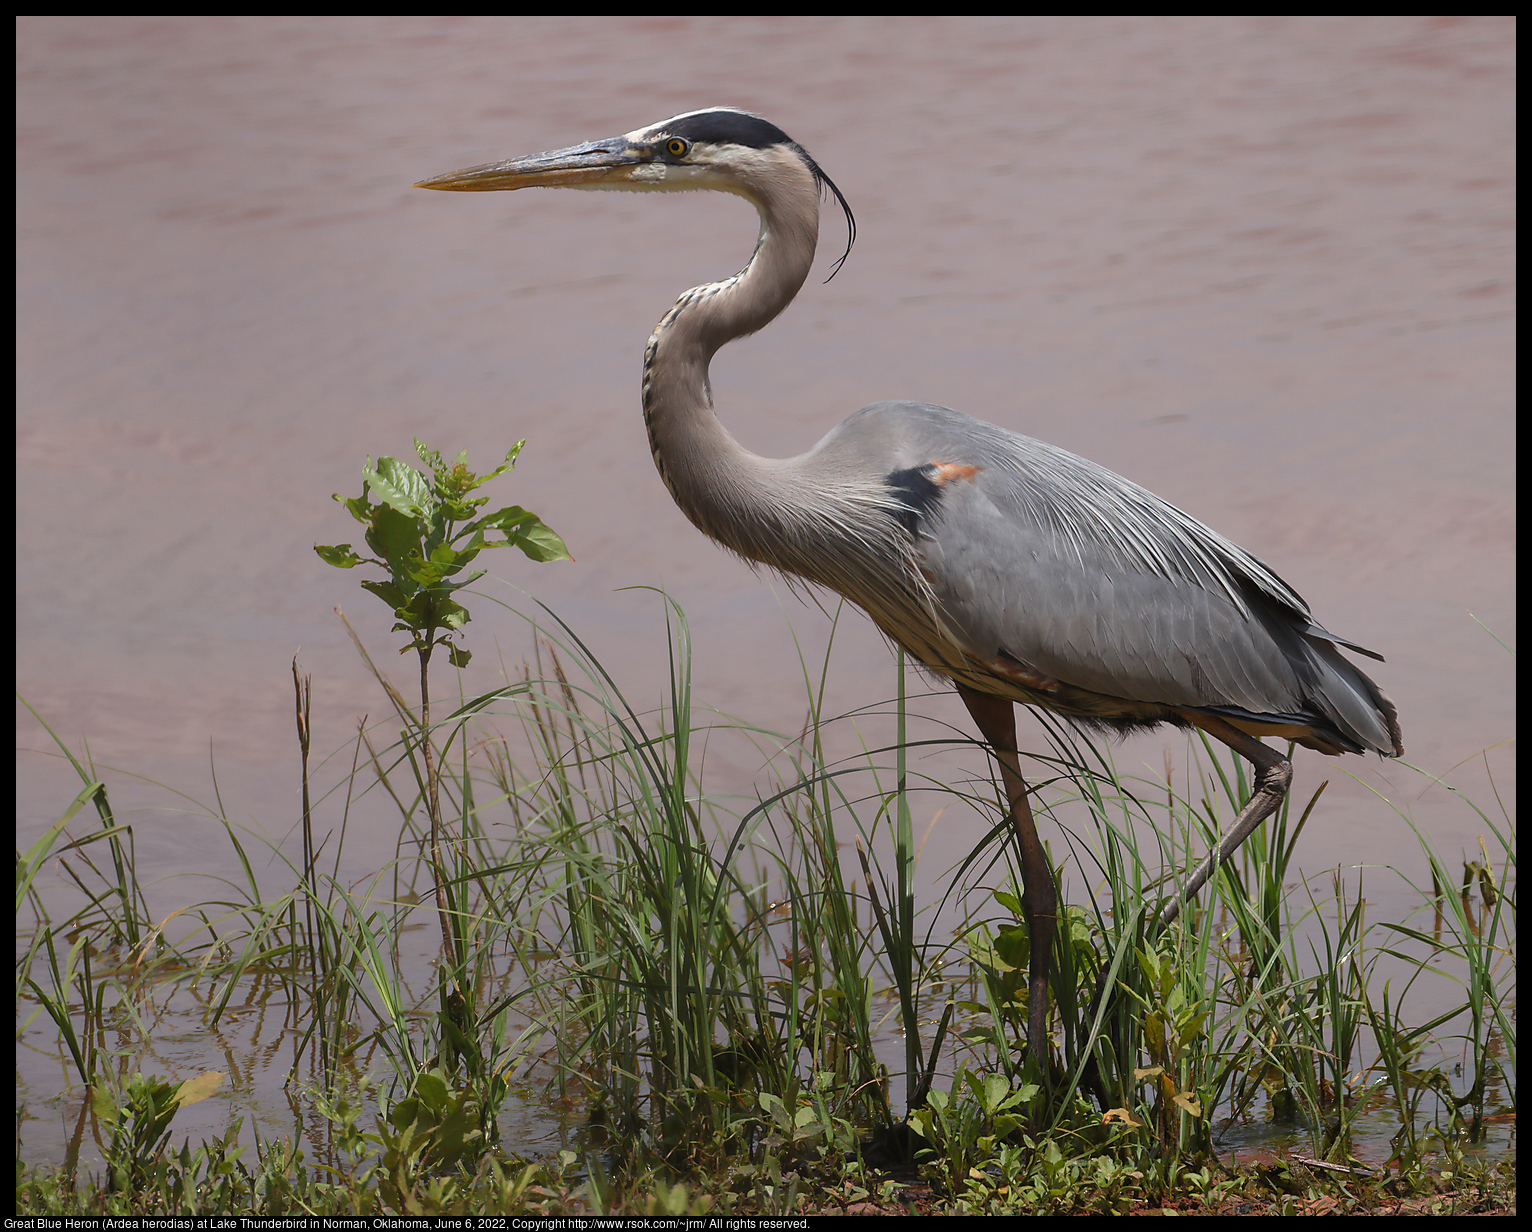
column 676, row 148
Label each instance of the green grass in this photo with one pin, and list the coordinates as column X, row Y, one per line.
column 708, row 982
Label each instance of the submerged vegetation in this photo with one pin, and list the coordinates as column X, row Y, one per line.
column 708, row 988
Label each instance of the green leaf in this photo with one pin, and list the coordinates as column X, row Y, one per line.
column 507, row 519
column 104, row 1104
column 432, row 457
column 450, row 615
column 508, row 464
column 431, row 611
column 523, row 529
column 1010, row 902
column 394, row 536
column 456, row 509
column 401, row 486
column 540, row 543
column 444, row 562
column 360, row 506
column 510, row 459
column 432, row 1091
column 389, row 593
column 340, row 555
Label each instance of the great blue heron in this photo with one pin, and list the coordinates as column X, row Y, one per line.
column 1017, row 570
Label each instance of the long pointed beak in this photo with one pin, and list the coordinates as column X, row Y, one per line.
column 596, row 162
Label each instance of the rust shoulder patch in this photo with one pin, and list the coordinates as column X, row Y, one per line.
column 943, row 473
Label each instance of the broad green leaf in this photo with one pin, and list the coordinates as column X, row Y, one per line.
column 432, row 611
column 360, row 506
column 400, row 486
column 432, row 1091
column 523, row 529
column 393, row 537
column 450, row 615
column 340, row 555
column 542, row 544
column 389, row 593
column 455, row 558
column 104, row 1103
column 507, row 519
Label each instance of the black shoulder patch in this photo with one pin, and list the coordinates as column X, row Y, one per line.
column 726, row 128
column 917, row 491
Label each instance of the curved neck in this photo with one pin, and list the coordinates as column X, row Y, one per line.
column 718, row 483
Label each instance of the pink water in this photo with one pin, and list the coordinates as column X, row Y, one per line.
column 1260, row 265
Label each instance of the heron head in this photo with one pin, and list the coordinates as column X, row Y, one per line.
column 721, row 149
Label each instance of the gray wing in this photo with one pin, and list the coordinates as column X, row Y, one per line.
column 1049, row 559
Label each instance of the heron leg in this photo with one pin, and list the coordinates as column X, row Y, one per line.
column 996, row 720
column 1273, row 774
